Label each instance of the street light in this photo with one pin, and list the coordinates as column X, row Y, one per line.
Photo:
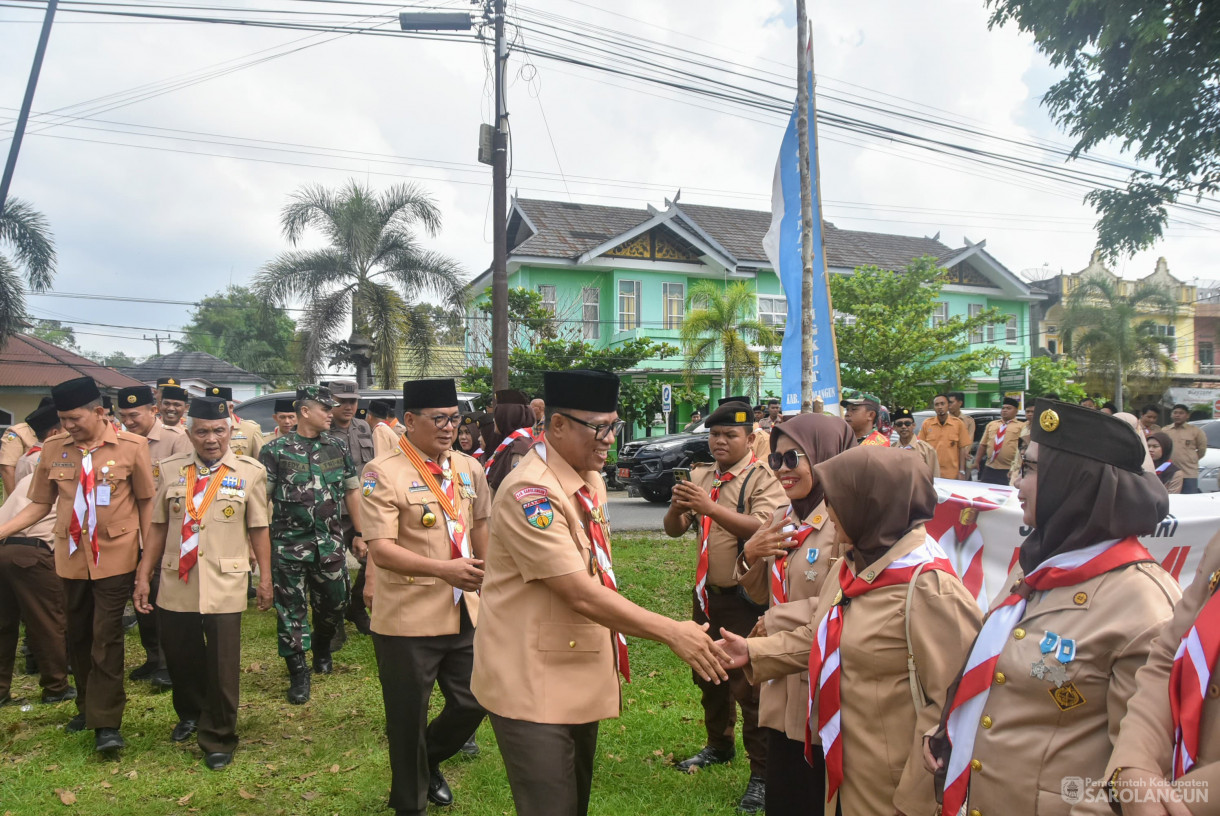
column 434, row 21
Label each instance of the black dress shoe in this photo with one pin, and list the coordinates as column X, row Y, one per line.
column 75, row 725
column 161, row 680
column 438, row 789
column 217, row 759
column 62, row 697
column 143, row 672
column 708, row 756
column 755, row 797
column 183, row 730
column 108, row 739
column 471, row 748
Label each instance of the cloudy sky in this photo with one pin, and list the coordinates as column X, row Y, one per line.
column 163, row 187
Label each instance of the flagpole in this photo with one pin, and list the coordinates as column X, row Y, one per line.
column 803, row 70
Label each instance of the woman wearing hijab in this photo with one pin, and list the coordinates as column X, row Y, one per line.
column 1160, row 448
column 467, row 439
column 515, row 422
column 785, row 565
column 1047, row 682
column 894, row 586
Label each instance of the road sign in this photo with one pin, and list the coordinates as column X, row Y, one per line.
column 1014, row 379
column 667, row 398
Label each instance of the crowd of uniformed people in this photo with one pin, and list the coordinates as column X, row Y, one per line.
column 867, row 679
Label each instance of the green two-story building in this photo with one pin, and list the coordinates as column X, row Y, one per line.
column 612, row 274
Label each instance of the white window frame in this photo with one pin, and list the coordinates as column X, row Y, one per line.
column 673, row 320
column 976, row 335
column 940, row 312
column 844, row 319
column 1012, row 330
column 775, row 313
column 549, row 303
column 591, row 327
column 629, row 321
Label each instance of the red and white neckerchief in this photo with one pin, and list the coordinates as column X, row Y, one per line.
column 1164, row 466
column 779, row 566
column 202, row 485
column 84, row 507
column 520, row 433
column 595, row 526
column 967, row 706
column 824, row 656
column 33, row 449
column 999, row 441
column 964, row 543
column 1190, row 679
column 705, row 532
column 459, row 544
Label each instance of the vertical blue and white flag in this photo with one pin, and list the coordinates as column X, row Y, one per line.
column 783, row 247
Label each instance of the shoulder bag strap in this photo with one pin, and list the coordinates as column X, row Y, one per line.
column 917, row 695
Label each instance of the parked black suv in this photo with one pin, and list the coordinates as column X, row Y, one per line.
column 648, row 464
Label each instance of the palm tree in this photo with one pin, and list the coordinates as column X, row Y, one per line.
column 724, row 321
column 1102, row 326
column 373, row 270
column 27, row 231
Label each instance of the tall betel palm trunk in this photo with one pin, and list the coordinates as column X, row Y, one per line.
column 372, row 271
column 26, row 231
column 1103, row 330
column 726, row 322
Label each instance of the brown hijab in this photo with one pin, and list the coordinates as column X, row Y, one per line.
column 1082, row 501
column 512, row 417
column 819, row 437
column 878, row 495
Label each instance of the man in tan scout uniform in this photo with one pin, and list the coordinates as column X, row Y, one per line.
column 552, row 634
column 949, row 436
column 172, row 400
column 998, row 447
column 13, row 444
column 425, row 514
column 247, row 436
column 103, row 482
column 208, row 502
column 727, row 501
column 1189, row 446
column 386, row 427
column 137, row 412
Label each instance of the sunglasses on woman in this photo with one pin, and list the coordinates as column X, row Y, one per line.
column 787, row 459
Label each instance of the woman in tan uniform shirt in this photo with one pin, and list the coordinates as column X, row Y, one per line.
column 879, row 501
column 802, row 538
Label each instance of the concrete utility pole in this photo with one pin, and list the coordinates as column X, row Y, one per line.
column 156, row 340
column 499, row 208
column 27, row 102
column 803, row 68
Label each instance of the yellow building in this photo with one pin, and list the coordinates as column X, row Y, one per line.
column 1180, row 328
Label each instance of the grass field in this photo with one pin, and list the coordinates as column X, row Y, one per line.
column 329, row 756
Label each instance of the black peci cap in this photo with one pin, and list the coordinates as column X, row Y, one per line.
column 75, row 393
column 1091, row 434
column 208, row 408
column 731, row 413
column 220, row 391
column 107, row 403
column 362, row 413
column 174, row 392
column 901, row 413
column 723, row 400
column 135, row 396
column 284, row 406
column 418, row 394
column 42, row 419
column 381, row 408
column 581, row 390
column 1013, row 401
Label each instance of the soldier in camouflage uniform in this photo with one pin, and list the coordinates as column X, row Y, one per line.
column 312, row 483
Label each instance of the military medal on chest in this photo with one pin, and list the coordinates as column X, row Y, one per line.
column 811, row 557
column 1057, row 653
column 466, row 490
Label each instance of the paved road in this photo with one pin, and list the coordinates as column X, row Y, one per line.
column 634, row 514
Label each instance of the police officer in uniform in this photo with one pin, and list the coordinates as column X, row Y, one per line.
column 108, row 475
column 728, row 501
column 358, row 437
column 29, row 588
column 13, row 444
column 551, row 643
column 209, row 501
column 137, row 412
column 285, row 417
column 171, row 404
column 426, row 509
column 312, row 484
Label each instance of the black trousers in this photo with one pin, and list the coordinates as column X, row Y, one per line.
column 95, row 646
column 203, row 655
column 733, row 612
column 549, row 767
column 409, row 666
column 147, row 623
column 30, row 589
column 794, row 788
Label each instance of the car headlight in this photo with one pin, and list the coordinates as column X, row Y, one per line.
column 664, row 446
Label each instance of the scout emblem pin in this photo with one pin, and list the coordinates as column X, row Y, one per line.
column 1063, row 650
column 811, row 555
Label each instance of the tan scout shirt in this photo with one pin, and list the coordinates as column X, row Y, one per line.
column 129, row 475
column 1113, row 619
column 165, row 443
column 1145, row 738
column 395, row 500
column 17, row 501
column 535, row 659
column 15, row 442
column 1189, row 446
column 968, row 421
column 384, row 439
column 764, row 496
column 1008, row 450
column 948, row 440
column 27, row 463
column 925, row 451
column 217, row 582
column 246, row 438
column 762, row 444
column 882, row 732
column 783, row 702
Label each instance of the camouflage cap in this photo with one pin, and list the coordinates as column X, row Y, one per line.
column 315, row 393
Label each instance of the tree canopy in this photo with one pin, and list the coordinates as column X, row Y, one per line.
column 722, row 320
column 55, row 333
column 243, row 329
column 25, row 232
column 1146, row 74
column 893, row 348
